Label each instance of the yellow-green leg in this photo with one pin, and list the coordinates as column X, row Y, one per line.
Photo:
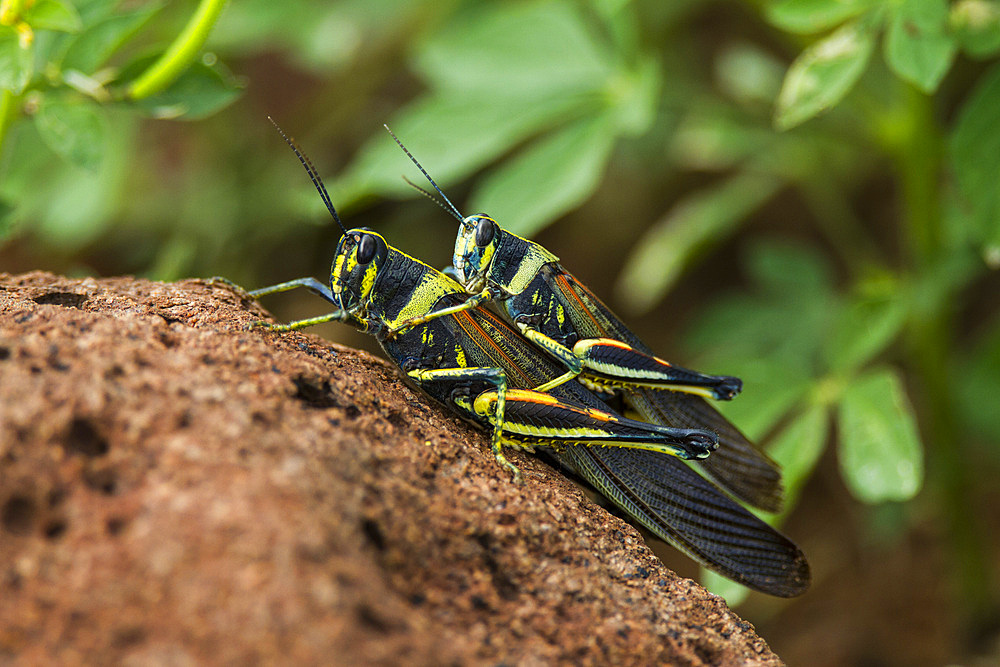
column 494, row 376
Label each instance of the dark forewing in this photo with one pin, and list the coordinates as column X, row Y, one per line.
column 681, row 507
column 658, row 490
column 489, row 341
column 738, row 465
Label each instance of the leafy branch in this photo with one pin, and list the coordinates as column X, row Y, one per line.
column 178, row 56
column 76, row 81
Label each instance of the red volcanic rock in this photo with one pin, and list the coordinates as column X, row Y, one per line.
column 176, row 489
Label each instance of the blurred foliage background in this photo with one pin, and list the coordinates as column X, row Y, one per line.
column 804, row 193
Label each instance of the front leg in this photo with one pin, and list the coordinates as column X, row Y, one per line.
column 311, row 284
column 469, row 303
column 314, row 286
column 222, row 280
column 494, row 416
column 335, row 316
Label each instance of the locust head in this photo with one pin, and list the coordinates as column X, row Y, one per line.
column 478, row 235
column 360, row 255
column 475, row 248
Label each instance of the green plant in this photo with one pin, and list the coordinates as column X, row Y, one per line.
column 850, row 352
column 68, row 67
column 864, row 134
column 553, row 87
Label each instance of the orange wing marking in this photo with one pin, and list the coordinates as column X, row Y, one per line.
column 466, row 321
column 583, row 308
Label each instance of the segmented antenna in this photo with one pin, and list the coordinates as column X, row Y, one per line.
column 450, row 207
column 313, row 174
column 425, row 193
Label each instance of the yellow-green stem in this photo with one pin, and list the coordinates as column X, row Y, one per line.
column 8, row 109
column 179, row 54
column 931, row 339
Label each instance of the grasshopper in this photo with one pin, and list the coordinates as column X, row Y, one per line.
column 377, row 288
column 563, row 318
column 475, row 363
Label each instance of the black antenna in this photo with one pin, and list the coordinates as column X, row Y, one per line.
column 425, row 193
column 313, row 174
column 450, row 207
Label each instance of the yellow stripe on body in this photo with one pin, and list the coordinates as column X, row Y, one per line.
column 432, row 287
column 529, row 266
column 368, row 280
column 484, row 405
column 580, row 308
column 460, row 356
column 338, row 270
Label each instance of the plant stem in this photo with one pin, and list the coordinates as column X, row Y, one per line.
column 172, row 63
column 8, row 109
column 931, row 337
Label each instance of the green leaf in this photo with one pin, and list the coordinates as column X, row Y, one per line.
column 918, row 46
column 881, row 458
column 78, row 212
column 812, row 16
column 551, row 177
column 95, row 44
column 824, row 73
column 864, row 327
column 522, row 50
column 974, row 150
column 54, row 15
column 977, row 26
column 501, row 74
column 75, row 129
column 697, row 221
column 66, row 208
column 93, row 11
column 451, row 136
column 798, row 447
column 785, row 269
column 16, row 63
column 717, row 140
column 636, row 97
column 199, row 92
column 771, row 387
column 779, row 326
column 748, row 74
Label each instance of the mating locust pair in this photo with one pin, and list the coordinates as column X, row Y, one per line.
column 541, row 375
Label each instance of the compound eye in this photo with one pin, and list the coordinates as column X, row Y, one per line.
column 484, row 232
column 366, row 249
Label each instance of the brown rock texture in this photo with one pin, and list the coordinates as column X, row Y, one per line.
column 177, row 489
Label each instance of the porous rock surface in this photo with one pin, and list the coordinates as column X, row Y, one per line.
column 177, row 490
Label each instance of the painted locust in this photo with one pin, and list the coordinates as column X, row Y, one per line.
column 472, row 361
column 566, row 321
